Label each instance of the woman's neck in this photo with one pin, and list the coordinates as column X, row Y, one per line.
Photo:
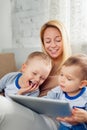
column 56, row 63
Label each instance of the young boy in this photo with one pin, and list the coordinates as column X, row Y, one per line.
column 72, row 88
column 33, row 73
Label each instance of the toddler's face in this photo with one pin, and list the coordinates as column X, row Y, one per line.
column 70, row 79
column 35, row 73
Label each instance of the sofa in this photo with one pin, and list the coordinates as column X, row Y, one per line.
column 7, row 64
column 13, row 115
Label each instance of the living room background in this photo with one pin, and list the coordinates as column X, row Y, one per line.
column 20, row 22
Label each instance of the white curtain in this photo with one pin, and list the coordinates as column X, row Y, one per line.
column 73, row 14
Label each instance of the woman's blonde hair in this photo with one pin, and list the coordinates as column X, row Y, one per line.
column 66, row 45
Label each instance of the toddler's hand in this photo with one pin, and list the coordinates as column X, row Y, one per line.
column 27, row 90
column 78, row 116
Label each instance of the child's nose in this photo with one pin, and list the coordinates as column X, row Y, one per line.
column 63, row 79
column 37, row 78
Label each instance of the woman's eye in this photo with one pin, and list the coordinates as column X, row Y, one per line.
column 47, row 42
column 58, row 40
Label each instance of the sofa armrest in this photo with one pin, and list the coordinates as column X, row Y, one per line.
column 7, row 63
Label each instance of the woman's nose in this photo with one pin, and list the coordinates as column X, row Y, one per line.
column 53, row 44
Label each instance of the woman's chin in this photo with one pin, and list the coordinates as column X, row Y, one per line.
column 53, row 56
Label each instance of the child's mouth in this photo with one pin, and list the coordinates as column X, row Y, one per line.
column 31, row 83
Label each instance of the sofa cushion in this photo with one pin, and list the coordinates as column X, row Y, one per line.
column 7, row 63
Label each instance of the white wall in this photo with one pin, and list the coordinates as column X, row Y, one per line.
column 21, row 20
column 5, row 24
column 27, row 18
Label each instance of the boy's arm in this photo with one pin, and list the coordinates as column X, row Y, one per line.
column 2, row 84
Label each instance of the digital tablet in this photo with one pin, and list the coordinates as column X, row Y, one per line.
column 49, row 107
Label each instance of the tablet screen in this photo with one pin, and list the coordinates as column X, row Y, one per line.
column 49, row 107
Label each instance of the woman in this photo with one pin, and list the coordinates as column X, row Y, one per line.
column 56, row 44
column 15, row 116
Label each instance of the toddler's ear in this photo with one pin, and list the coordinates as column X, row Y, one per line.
column 23, row 67
column 83, row 83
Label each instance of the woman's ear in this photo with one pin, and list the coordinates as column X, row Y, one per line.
column 83, row 83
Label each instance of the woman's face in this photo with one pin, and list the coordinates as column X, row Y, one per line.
column 53, row 42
